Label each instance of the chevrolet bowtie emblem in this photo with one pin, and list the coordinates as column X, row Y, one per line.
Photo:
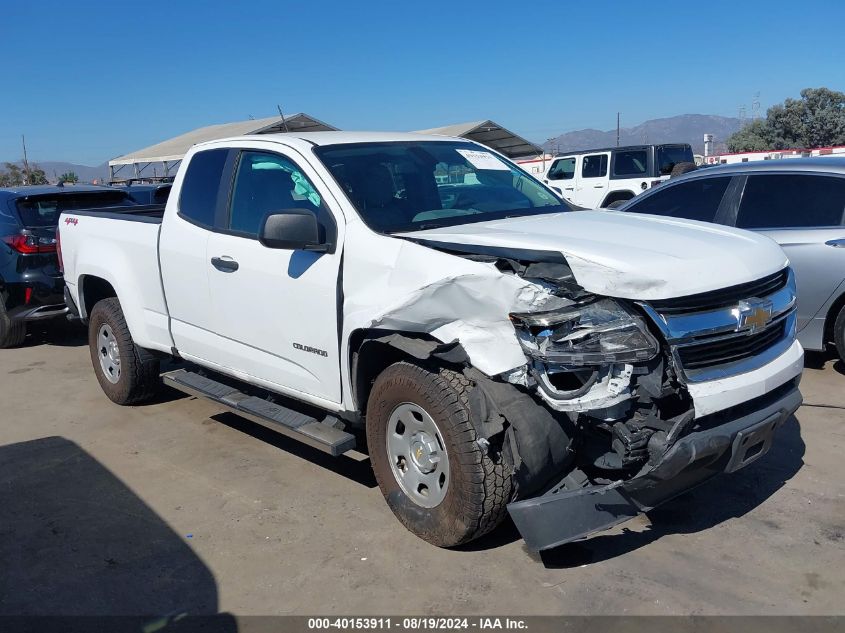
column 753, row 314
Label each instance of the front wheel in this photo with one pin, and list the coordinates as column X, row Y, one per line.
column 438, row 481
column 839, row 333
column 128, row 374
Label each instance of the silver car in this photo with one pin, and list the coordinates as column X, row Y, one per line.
column 798, row 203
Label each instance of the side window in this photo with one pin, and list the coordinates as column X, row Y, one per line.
column 595, row 166
column 776, row 201
column 265, row 183
column 696, row 199
column 630, row 163
column 562, row 169
column 198, row 198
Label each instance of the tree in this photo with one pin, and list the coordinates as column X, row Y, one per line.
column 14, row 176
column 752, row 138
column 817, row 119
column 69, row 176
column 36, row 176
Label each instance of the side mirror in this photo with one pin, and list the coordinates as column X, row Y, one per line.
column 293, row 229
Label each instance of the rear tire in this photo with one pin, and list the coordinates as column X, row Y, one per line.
column 617, row 203
column 839, row 333
column 128, row 374
column 477, row 487
column 12, row 333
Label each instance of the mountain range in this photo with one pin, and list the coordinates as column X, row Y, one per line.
column 684, row 128
column 54, row 169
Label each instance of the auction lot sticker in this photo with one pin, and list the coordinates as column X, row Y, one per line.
column 482, row 160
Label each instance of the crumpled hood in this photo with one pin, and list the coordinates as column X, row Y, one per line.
column 628, row 255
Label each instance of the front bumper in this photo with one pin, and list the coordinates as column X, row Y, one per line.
column 722, row 442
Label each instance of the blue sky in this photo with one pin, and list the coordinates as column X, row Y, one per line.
column 86, row 81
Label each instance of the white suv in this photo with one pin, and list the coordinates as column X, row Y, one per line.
column 606, row 178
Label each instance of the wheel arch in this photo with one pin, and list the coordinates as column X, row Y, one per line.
column 614, row 196
column 371, row 351
column 93, row 289
column 830, row 319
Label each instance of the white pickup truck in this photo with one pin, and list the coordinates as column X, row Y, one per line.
column 423, row 299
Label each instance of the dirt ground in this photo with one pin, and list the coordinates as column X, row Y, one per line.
column 177, row 507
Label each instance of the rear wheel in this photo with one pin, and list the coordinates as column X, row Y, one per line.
column 438, row 481
column 12, row 333
column 839, row 333
column 128, row 374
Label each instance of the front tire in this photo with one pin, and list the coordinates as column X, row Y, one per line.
column 128, row 374
column 839, row 333
column 12, row 333
column 436, row 478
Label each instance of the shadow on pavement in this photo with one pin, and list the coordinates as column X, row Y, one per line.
column 75, row 541
column 58, row 332
column 818, row 360
column 358, row 471
column 725, row 497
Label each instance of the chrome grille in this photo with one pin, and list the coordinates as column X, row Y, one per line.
column 724, row 296
column 729, row 349
column 707, row 336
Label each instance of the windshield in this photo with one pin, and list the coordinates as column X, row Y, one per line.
column 411, row 186
column 44, row 210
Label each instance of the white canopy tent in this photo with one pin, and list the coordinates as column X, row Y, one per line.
column 492, row 135
column 170, row 152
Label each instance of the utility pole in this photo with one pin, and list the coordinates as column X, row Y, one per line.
column 25, row 162
column 617, row 129
column 285, row 123
column 755, row 107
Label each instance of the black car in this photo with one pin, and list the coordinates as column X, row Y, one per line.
column 31, row 284
column 148, row 193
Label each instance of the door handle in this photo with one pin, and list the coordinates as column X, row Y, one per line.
column 570, row 188
column 224, row 264
column 840, row 243
column 598, row 186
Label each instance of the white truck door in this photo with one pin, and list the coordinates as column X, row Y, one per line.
column 592, row 180
column 561, row 176
column 182, row 253
column 275, row 311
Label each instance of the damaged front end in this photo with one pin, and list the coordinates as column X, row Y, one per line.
column 598, row 423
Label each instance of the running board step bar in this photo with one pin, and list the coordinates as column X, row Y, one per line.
column 323, row 435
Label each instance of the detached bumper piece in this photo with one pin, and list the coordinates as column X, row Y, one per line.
column 718, row 444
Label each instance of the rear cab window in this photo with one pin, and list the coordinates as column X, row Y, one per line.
column 696, row 199
column 791, row 201
column 200, row 187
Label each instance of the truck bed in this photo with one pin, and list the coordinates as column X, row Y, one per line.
column 150, row 213
column 119, row 246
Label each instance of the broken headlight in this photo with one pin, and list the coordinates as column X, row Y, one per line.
column 596, row 333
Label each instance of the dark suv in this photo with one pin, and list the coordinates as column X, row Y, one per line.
column 31, row 284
